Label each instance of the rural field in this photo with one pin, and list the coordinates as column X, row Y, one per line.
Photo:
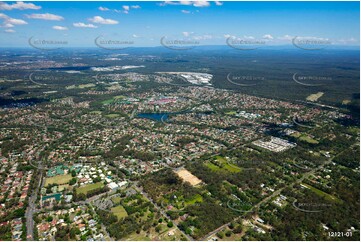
column 60, row 179
column 223, row 165
column 85, row 189
column 119, row 211
column 189, row 177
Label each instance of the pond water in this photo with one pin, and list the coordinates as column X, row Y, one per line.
column 57, row 197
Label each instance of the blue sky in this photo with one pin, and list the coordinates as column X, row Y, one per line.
column 145, row 23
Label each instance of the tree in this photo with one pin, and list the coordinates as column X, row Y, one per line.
column 72, row 181
column 158, row 228
column 238, row 229
column 228, row 233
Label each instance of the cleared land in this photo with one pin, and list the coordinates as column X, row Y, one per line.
column 81, row 86
column 85, row 189
column 112, row 115
column 314, row 97
column 119, row 211
column 60, row 179
column 189, row 177
column 308, row 139
column 223, row 165
column 322, row 193
column 304, row 137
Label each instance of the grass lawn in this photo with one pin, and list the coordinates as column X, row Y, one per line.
column 308, row 139
column 119, row 97
column 327, row 196
column 212, row 166
column 60, row 179
column 96, row 112
column 86, row 85
column 62, row 187
column 227, row 166
column 109, row 101
column 296, row 134
column 231, row 113
column 232, row 168
column 119, row 211
column 115, row 200
column 138, row 237
column 193, row 200
column 112, row 115
column 85, row 189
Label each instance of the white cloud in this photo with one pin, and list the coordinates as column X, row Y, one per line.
column 10, row 22
column 56, row 27
column 135, row 36
column 267, row 36
column 15, row 21
column 125, row 9
column 175, row 3
column 83, row 25
column 248, row 37
column 311, row 38
column 103, row 9
column 186, row 34
column 229, row 36
column 347, row 41
column 9, row 31
column 203, row 37
column 101, row 20
column 218, row 3
column 183, row 2
column 45, row 16
column 7, row 25
column 199, row 4
column 286, row 37
column 186, row 11
column 19, row 6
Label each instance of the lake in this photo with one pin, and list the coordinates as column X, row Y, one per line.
column 154, row 116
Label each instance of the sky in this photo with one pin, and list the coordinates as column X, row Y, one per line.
column 86, row 24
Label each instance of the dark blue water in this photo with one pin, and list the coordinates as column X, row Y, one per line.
column 57, row 197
